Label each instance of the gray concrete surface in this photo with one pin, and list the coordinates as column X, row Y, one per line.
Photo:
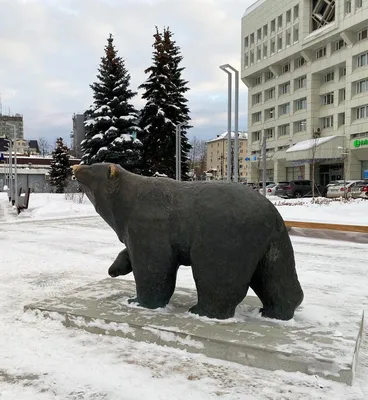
column 248, row 339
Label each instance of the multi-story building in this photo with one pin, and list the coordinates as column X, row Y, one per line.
column 7, row 124
column 217, row 156
column 78, row 134
column 305, row 63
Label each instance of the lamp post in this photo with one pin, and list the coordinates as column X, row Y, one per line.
column 178, row 150
column 235, row 160
column 15, row 188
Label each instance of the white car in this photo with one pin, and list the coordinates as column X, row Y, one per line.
column 360, row 190
column 270, row 189
column 338, row 189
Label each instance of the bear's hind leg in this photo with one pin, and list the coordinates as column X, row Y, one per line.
column 275, row 281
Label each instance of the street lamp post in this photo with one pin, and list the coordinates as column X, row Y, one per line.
column 235, row 160
column 178, row 150
column 14, row 190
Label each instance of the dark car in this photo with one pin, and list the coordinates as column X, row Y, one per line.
column 299, row 188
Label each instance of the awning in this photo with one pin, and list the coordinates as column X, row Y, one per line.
column 324, row 148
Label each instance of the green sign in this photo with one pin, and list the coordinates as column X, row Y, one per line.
column 358, row 143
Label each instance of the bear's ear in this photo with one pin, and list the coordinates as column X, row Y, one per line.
column 113, row 171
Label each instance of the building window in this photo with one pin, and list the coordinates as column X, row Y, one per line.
column 256, row 117
column 256, row 136
column 256, row 98
column 327, row 122
column 300, row 104
column 288, row 37
column 259, row 54
column 347, row 6
column 251, row 56
column 273, row 26
column 340, row 44
column 257, row 80
column 246, row 43
column 296, row 34
column 270, row 94
column 342, row 72
column 327, row 99
column 342, row 95
column 270, row 133
column 246, row 61
column 300, row 126
column 296, row 12
column 321, row 52
column 259, row 34
column 270, row 113
column 341, row 119
column 279, row 43
column 284, row 88
column 358, row 3
column 288, row 16
column 301, row 82
column 268, row 76
column 265, row 51
column 284, row 109
column 252, row 39
column 265, row 30
column 362, row 35
column 330, row 76
column 273, row 46
column 362, row 112
column 362, row 86
column 299, row 62
column 279, row 22
column 284, row 130
column 362, row 59
column 286, row 68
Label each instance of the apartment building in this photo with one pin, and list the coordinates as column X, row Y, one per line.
column 7, row 124
column 217, row 156
column 78, row 134
column 305, row 63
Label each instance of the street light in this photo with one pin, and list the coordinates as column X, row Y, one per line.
column 178, row 150
column 14, row 190
column 225, row 68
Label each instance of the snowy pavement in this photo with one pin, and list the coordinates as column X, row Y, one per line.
column 42, row 360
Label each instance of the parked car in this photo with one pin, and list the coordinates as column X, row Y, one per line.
column 338, row 189
column 299, row 188
column 359, row 190
column 270, row 189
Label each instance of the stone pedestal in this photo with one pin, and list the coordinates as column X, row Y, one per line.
column 301, row 344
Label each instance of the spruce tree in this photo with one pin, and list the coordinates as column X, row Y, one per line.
column 166, row 107
column 60, row 170
column 111, row 122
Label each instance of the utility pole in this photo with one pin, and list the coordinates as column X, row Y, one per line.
column 264, row 162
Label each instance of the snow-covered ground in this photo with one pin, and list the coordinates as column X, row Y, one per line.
column 59, row 244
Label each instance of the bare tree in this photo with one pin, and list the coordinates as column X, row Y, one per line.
column 44, row 146
column 198, row 156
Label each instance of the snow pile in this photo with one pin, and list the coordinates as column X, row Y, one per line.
column 54, row 206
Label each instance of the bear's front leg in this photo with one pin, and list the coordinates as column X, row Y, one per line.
column 155, row 276
column 122, row 265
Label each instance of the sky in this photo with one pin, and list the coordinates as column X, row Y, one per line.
column 50, row 51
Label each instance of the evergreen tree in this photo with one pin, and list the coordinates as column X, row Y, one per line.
column 111, row 125
column 165, row 108
column 60, row 169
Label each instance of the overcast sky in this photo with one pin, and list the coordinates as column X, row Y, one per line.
column 50, row 51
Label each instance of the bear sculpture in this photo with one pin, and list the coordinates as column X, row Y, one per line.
column 232, row 237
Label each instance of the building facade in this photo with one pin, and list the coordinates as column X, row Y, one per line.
column 6, row 126
column 305, row 63
column 217, row 156
column 78, row 134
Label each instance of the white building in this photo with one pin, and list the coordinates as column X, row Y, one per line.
column 305, row 63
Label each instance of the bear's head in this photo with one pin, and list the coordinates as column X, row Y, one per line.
column 100, row 182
